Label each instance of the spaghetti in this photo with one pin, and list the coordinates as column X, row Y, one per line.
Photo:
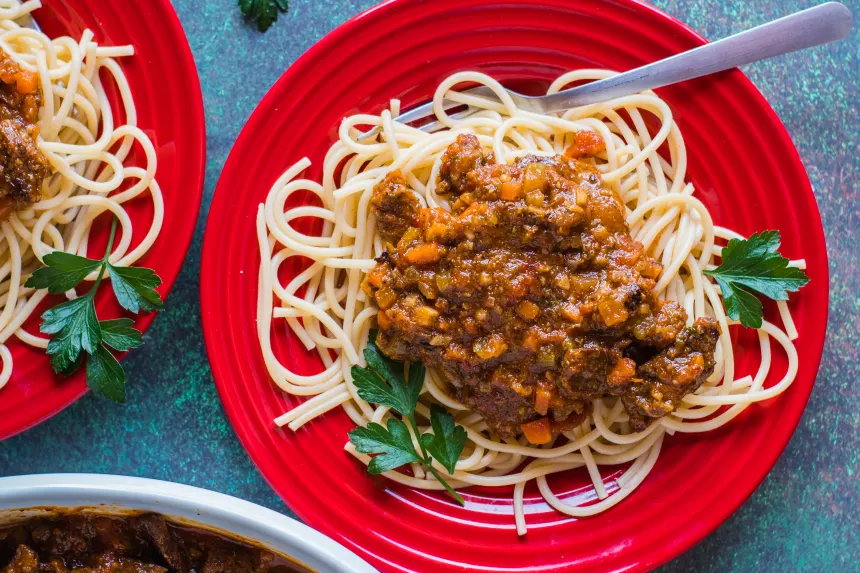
column 326, row 309
column 87, row 149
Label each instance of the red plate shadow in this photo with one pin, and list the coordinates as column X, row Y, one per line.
column 743, row 165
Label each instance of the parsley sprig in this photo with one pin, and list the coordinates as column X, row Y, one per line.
column 754, row 266
column 382, row 382
column 263, row 12
column 78, row 335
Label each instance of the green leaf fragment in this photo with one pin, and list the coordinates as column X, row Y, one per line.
column 77, row 334
column 62, row 272
column 134, row 288
column 382, row 382
column 263, row 12
column 415, row 382
column 741, row 305
column 120, row 335
column 384, row 366
column 75, row 328
column 70, row 368
column 755, row 265
column 447, row 441
column 393, row 444
column 105, row 375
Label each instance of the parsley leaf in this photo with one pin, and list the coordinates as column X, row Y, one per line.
column 134, row 288
column 263, row 12
column 382, row 382
column 754, row 266
column 78, row 335
column 120, row 335
column 70, row 368
column 63, row 272
column 105, row 375
column 394, row 444
column 446, row 442
column 741, row 305
column 75, row 328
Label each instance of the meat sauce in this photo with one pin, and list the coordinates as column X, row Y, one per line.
column 530, row 295
column 146, row 543
column 23, row 168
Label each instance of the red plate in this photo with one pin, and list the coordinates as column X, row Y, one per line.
column 170, row 110
column 743, row 165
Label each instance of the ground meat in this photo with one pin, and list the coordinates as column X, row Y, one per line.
column 396, row 207
column 155, row 529
column 86, row 543
column 24, row 561
column 459, row 161
column 661, row 383
column 109, row 563
column 530, row 295
column 23, row 168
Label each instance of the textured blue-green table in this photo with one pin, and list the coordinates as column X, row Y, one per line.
column 804, row 517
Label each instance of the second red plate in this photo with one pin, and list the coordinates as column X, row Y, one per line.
column 744, row 168
column 169, row 104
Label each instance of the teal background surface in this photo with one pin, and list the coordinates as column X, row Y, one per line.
column 804, row 517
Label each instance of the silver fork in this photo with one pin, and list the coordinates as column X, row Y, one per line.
column 29, row 22
column 811, row 27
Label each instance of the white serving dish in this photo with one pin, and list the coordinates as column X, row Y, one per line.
column 181, row 502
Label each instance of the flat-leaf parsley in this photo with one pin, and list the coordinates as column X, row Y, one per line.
column 263, row 12
column 382, row 382
column 77, row 334
column 754, row 266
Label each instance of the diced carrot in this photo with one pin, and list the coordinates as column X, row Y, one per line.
column 538, row 432
column 519, row 287
column 695, row 366
column 473, row 210
column 535, row 180
column 622, row 372
column 528, row 310
column 382, row 320
column 510, row 191
column 543, row 397
column 436, row 231
column 490, row 347
column 585, row 142
column 612, row 312
column 376, row 275
column 425, row 315
column 385, row 297
column 530, row 341
column 423, row 254
column 455, row 352
column 27, row 82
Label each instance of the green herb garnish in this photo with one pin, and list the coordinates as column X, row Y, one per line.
column 263, row 12
column 382, row 382
column 754, row 266
column 77, row 334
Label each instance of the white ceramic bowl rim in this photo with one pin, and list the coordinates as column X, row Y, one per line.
column 230, row 514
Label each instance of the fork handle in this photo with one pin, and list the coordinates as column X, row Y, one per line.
column 819, row 25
